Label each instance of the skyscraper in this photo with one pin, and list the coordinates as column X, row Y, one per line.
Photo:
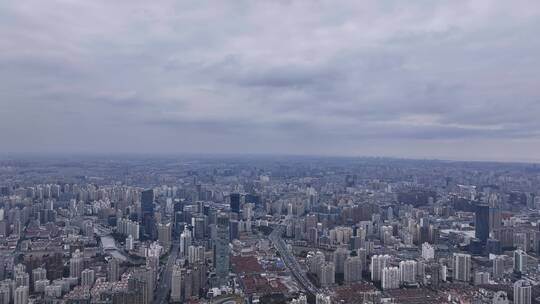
column 481, row 226
column 176, row 284
column 147, row 213
column 462, row 267
column 185, row 242
column 235, row 202
column 494, row 218
column 221, row 250
column 522, row 292
column 147, row 200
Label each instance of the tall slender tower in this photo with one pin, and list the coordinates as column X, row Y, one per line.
column 147, row 213
column 481, row 225
column 222, row 249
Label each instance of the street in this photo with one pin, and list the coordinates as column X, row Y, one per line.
column 291, row 262
column 164, row 284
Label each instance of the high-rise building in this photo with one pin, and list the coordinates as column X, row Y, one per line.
column 522, row 292
column 522, row 241
column 493, row 246
column 195, row 254
column 481, row 226
column 378, row 262
column 39, row 285
column 498, row 267
column 340, row 255
column 235, row 202
column 21, row 295
column 481, row 278
column 352, row 269
column 327, row 275
column 39, row 274
column 5, row 293
column 462, row 267
column 494, row 218
column 407, row 270
column 199, row 227
column 234, row 230
column 390, row 278
column 144, row 278
column 128, row 227
column 428, row 252
column 177, row 284
column 444, row 273
column 129, row 243
column 520, row 261
column 247, row 212
column 435, row 272
column 147, row 213
column 164, row 235
column 147, row 200
column 88, row 277
column 76, row 264
column 185, row 242
column 113, row 270
column 22, row 279
column 188, row 283
column 221, row 250
column 315, row 260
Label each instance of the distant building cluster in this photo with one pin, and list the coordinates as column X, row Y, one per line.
column 268, row 231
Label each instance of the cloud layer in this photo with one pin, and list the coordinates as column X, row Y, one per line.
column 451, row 79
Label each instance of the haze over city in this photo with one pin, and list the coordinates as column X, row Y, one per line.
column 426, row 79
column 269, row 152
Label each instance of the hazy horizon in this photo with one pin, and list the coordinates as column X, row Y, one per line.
column 453, row 80
column 203, row 155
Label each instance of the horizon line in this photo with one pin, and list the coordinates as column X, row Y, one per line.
column 23, row 155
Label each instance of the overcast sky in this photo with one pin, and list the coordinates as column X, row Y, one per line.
column 423, row 79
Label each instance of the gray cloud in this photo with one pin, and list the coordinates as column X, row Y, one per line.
column 271, row 77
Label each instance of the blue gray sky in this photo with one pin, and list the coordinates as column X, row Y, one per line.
column 423, row 79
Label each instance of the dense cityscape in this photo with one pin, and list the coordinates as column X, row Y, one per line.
column 269, row 152
column 262, row 229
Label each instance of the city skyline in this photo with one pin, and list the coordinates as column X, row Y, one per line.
column 447, row 80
